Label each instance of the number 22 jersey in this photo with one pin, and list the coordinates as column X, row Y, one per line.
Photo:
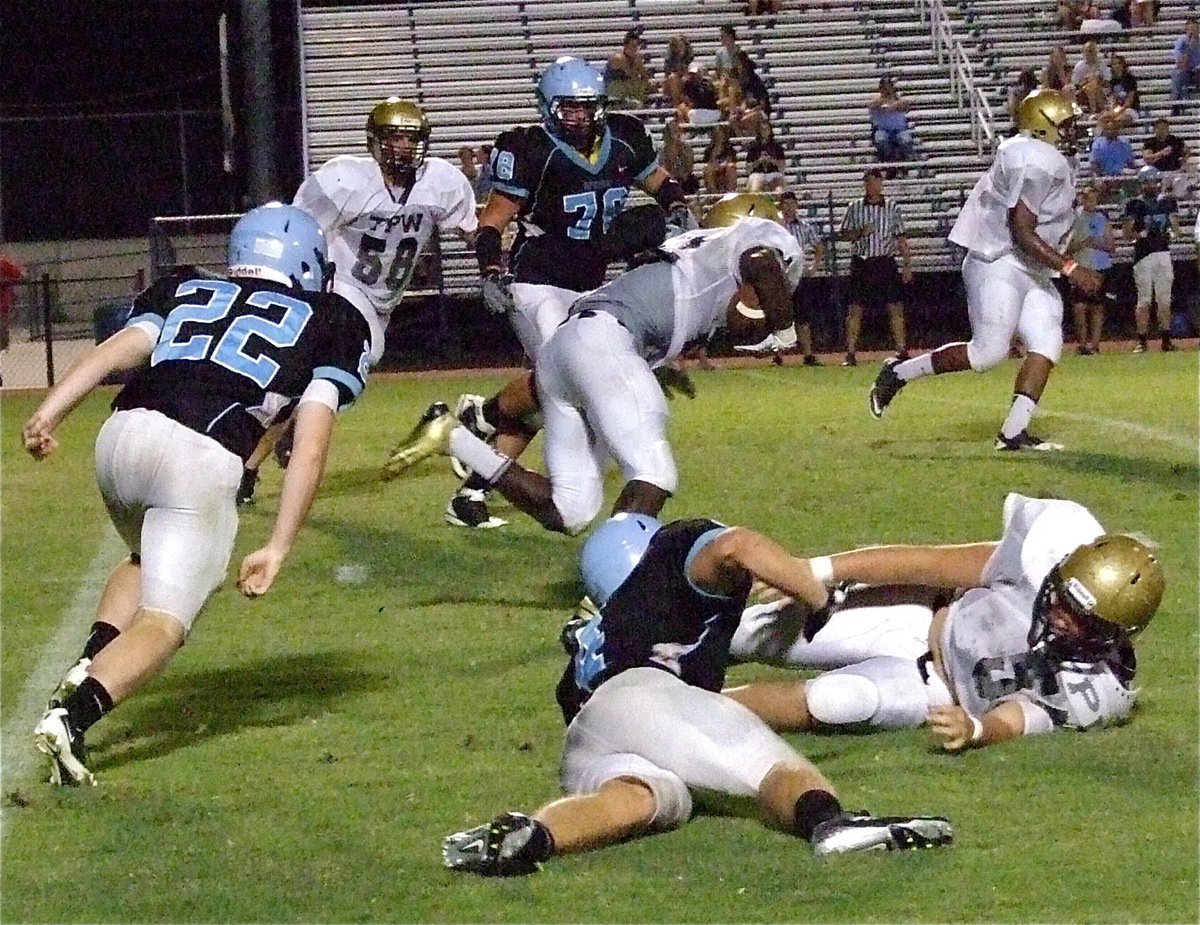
column 232, row 356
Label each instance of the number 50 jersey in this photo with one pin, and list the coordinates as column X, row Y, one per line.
column 233, row 356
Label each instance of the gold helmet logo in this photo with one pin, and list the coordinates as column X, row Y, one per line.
column 392, row 119
column 1050, row 117
column 732, row 207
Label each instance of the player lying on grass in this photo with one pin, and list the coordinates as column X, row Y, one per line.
column 218, row 360
column 647, row 724
column 1038, row 638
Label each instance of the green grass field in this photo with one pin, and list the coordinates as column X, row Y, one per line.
column 302, row 757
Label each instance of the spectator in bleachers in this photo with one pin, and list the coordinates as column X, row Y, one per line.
column 1073, row 13
column 1092, row 244
column 756, row 7
column 766, row 162
column 628, row 78
column 483, row 185
column 700, row 104
column 1026, row 83
column 1111, row 156
column 1091, row 78
column 723, row 63
column 745, row 116
column 754, row 89
column 1144, row 13
column 1056, row 75
column 1151, row 220
column 1185, row 76
column 1169, row 154
column 876, row 226
column 469, row 165
column 720, row 162
column 677, row 158
column 890, row 130
column 808, row 236
column 675, row 68
column 1123, row 100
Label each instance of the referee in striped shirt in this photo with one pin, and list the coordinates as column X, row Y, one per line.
column 876, row 228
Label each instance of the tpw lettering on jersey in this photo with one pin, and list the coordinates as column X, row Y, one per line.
column 409, row 222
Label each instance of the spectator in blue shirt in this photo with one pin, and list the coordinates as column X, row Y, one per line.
column 889, row 124
column 1111, row 155
column 1185, row 77
column 1092, row 244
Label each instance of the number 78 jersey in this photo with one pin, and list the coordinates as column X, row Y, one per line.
column 375, row 233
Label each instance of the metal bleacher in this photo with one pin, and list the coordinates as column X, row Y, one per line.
column 472, row 66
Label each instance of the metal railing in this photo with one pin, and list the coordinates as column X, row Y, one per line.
column 963, row 84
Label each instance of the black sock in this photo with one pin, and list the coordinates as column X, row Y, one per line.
column 86, row 704
column 541, row 843
column 101, row 635
column 477, row 482
column 813, row 808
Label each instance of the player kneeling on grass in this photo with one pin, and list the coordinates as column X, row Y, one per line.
column 1039, row 639
column 647, row 724
column 217, row 360
column 595, row 380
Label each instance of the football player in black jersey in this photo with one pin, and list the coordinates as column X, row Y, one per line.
column 216, row 360
column 647, row 723
column 563, row 181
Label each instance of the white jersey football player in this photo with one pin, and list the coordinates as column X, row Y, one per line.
column 380, row 212
column 1015, row 226
column 1040, row 638
column 594, row 376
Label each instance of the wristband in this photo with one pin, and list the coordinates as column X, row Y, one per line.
column 976, row 729
column 1069, row 267
column 822, row 569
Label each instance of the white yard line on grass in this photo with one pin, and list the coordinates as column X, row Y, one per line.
column 18, row 758
column 1173, row 438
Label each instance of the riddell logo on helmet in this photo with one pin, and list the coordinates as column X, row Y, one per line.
column 1080, row 596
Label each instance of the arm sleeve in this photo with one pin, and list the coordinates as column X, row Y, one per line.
column 515, row 168
column 345, row 356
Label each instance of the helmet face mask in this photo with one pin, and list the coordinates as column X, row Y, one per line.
column 1049, row 116
column 572, row 97
column 398, row 138
column 283, row 244
column 1100, row 595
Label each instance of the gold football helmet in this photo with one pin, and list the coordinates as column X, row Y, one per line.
column 394, row 118
column 1051, row 117
column 1112, row 586
column 733, row 206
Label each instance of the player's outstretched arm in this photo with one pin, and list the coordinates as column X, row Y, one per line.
column 934, row 566
column 126, row 349
column 314, row 426
column 722, row 566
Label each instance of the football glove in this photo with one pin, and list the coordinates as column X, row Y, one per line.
column 495, row 287
column 680, row 219
column 775, row 342
column 673, row 380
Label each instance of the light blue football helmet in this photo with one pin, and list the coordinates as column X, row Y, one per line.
column 572, row 80
column 280, row 243
column 613, row 551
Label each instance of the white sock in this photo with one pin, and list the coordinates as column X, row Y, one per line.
column 915, row 368
column 1018, row 415
column 469, row 449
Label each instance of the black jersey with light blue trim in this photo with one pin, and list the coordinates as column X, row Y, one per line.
column 233, row 355
column 658, row 619
column 567, row 199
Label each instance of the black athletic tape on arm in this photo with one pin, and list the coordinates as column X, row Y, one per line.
column 487, row 248
column 669, row 193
